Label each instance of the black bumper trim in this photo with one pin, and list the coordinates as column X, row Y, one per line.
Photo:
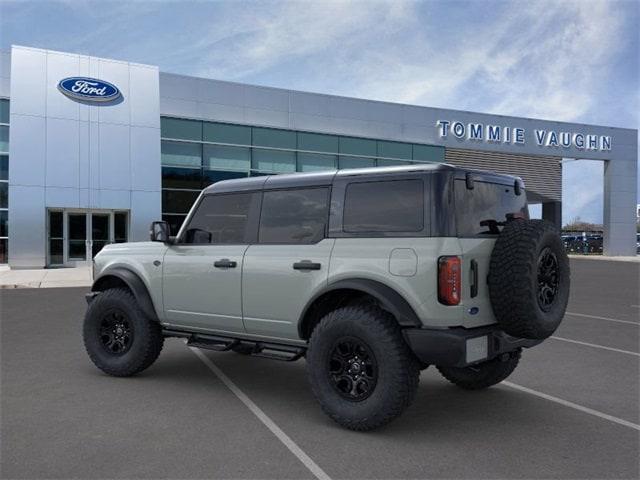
column 448, row 347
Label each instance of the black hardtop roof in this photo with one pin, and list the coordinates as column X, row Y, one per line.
column 289, row 180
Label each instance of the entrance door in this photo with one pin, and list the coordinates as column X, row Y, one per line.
column 100, row 231
column 76, row 236
column 77, row 243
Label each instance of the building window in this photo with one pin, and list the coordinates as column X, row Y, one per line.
column 314, row 162
column 182, row 154
column 185, row 178
column 275, row 161
column 315, row 142
column 395, row 150
column 356, row 162
column 180, row 129
column 4, row 181
column 274, row 138
column 358, row 146
column 196, row 154
column 227, row 158
column 4, row 111
column 212, row 176
column 178, row 201
column 225, row 133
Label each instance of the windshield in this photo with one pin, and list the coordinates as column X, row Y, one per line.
column 484, row 209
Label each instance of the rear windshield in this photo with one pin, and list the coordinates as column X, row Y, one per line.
column 483, row 210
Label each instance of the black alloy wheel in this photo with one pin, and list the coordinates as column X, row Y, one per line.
column 353, row 369
column 116, row 332
column 547, row 279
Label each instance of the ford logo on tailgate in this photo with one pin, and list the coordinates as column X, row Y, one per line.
column 88, row 89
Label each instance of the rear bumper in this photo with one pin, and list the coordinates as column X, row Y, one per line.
column 459, row 347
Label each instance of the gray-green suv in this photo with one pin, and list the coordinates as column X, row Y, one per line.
column 371, row 275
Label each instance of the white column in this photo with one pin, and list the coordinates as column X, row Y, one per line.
column 620, row 199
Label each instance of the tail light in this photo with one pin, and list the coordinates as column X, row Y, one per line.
column 449, row 273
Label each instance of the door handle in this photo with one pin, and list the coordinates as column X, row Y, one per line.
column 225, row 263
column 474, row 279
column 306, row 265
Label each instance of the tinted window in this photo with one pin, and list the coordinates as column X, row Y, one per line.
column 220, row 219
column 487, row 202
column 388, row 206
column 294, row 216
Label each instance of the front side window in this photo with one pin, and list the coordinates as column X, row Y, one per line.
column 220, row 219
column 384, row 207
column 294, row 216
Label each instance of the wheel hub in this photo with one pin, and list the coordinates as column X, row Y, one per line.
column 548, row 279
column 353, row 370
column 116, row 333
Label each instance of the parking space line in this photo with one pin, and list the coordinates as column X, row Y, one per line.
column 270, row 424
column 575, row 406
column 596, row 346
column 603, row 318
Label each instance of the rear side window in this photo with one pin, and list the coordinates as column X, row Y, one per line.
column 294, row 216
column 384, row 206
column 221, row 219
column 481, row 210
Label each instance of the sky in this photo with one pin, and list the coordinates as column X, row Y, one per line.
column 559, row 60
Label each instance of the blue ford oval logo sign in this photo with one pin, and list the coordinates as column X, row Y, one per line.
column 88, row 89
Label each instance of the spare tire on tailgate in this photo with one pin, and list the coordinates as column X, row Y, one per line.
column 529, row 279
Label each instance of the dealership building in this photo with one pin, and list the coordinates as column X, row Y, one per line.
column 92, row 150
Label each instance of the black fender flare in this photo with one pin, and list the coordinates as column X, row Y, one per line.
column 388, row 298
column 135, row 284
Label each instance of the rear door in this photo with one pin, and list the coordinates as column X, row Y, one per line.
column 289, row 262
column 202, row 286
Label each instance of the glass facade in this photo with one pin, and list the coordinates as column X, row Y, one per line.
column 4, row 180
column 196, row 154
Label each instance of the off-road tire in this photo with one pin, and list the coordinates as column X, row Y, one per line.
column 398, row 371
column 514, row 279
column 482, row 375
column 147, row 339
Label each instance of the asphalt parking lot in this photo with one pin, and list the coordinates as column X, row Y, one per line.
column 571, row 409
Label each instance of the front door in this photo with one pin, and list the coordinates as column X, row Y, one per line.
column 202, row 271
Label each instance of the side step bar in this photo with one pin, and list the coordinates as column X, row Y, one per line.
column 274, row 351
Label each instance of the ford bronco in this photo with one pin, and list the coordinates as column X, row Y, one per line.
column 369, row 274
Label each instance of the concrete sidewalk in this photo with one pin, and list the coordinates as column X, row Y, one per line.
column 46, row 278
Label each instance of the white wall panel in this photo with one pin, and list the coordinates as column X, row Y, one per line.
column 27, row 226
column 115, row 162
column 144, row 91
column 115, row 199
column 62, row 197
column 28, row 150
column 211, row 91
column 145, row 155
column 59, row 66
column 267, row 98
column 29, row 81
column 118, row 74
column 147, row 209
column 63, row 153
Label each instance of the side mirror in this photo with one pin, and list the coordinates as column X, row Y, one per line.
column 159, row 232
